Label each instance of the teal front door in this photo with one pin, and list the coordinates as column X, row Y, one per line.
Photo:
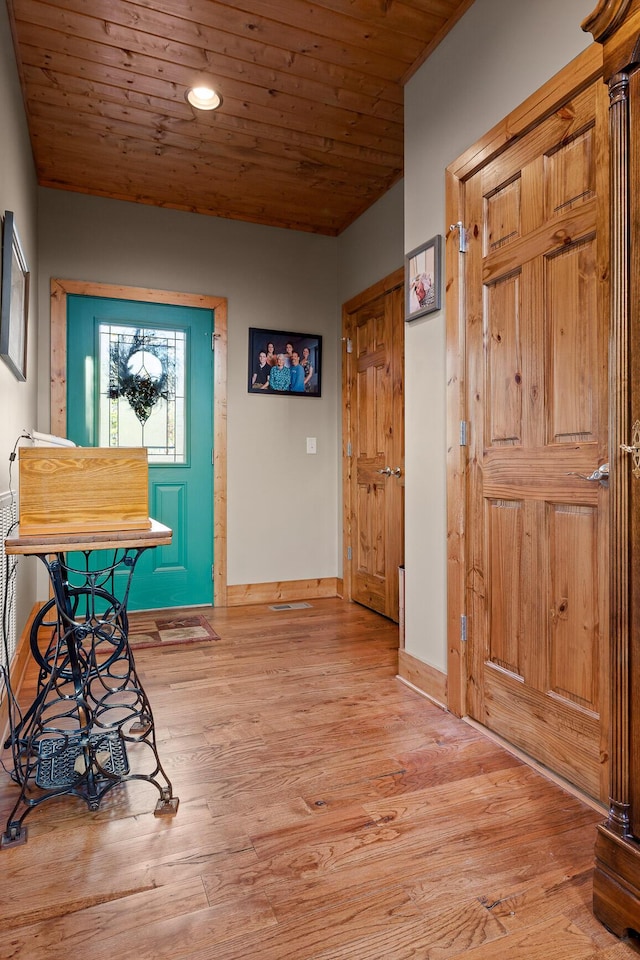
column 141, row 374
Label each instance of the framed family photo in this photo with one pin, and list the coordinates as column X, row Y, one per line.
column 422, row 279
column 284, row 363
column 14, row 300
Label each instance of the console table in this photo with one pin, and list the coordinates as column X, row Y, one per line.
column 90, row 726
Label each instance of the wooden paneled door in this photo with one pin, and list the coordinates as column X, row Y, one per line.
column 536, row 512
column 373, row 434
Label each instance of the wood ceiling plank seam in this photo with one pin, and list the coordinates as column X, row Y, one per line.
column 357, row 136
column 364, row 143
column 181, row 74
column 344, row 154
column 228, row 19
column 259, row 192
column 444, row 8
column 135, row 179
column 356, row 82
column 198, row 129
column 402, row 18
column 55, row 19
column 35, row 39
column 344, row 168
column 317, row 91
column 392, row 129
column 217, row 165
column 357, row 164
column 286, row 60
column 315, row 20
column 357, row 161
column 220, row 155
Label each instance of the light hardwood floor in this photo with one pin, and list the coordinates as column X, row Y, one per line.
column 327, row 812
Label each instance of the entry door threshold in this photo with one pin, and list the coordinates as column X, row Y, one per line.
column 538, row 767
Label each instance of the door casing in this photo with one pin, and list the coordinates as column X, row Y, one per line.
column 582, row 71
column 60, row 289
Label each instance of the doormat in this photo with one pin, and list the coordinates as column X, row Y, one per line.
column 145, row 631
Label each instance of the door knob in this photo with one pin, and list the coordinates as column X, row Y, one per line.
column 599, row 475
column 387, row 471
column 397, row 472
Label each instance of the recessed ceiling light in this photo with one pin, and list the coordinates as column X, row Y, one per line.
column 203, row 98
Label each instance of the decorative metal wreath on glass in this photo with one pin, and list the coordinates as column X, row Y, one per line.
column 142, row 395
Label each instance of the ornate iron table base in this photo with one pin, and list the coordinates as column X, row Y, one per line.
column 90, row 727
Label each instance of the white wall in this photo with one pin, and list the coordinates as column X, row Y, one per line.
column 372, row 247
column 18, row 194
column 281, row 501
column 369, row 250
column 499, row 53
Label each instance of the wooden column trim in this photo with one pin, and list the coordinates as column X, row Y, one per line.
column 616, row 879
column 619, row 803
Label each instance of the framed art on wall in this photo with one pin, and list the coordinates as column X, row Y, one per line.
column 284, row 363
column 422, row 279
column 14, row 300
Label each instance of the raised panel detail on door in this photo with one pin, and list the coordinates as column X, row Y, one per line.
column 505, row 525
column 572, row 314
column 374, row 489
column 504, row 361
column 372, row 453
column 536, row 342
column 169, row 500
column 575, row 614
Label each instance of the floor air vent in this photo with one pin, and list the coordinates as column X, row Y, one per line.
column 289, row 606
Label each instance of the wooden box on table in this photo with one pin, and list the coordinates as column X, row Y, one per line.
column 82, row 489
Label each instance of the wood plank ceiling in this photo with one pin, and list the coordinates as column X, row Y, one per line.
column 310, row 130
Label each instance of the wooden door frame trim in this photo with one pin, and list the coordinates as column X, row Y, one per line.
column 576, row 76
column 60, row 290
column 379, row 289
